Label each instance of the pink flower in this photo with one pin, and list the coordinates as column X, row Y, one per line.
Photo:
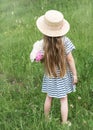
column 37, row 51
column 39, row 56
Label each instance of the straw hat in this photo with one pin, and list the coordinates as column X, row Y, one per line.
column 53, row 24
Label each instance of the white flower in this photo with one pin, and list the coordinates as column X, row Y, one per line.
column 38, row 46
column 79, row 98
column 71, row 105
column 33, row 55
column 12, row 13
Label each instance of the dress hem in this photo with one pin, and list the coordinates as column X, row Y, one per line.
column 56, row 96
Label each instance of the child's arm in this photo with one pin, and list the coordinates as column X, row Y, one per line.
column 71, row 63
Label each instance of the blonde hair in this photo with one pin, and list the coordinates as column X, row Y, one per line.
column 54, row 56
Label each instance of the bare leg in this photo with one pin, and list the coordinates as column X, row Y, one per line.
column 47, row 106
column 64, row 109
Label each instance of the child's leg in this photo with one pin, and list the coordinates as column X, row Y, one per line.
column 47, row 105
column 64, row 109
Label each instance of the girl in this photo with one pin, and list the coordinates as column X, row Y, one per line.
column 60, row 72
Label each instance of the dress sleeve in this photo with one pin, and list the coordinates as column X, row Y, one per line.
column 68, row 45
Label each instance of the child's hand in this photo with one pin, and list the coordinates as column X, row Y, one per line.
column 75, row 80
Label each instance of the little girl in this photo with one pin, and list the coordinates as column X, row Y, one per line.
column 60, row 72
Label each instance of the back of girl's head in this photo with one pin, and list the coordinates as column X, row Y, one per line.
column 54, row 56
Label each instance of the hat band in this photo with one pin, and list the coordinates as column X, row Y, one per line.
column 53, row 25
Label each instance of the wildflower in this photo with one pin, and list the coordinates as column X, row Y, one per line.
column 12, row 13
column 71, row 105
column 79, row 98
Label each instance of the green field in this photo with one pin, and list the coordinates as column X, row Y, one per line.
column 21, row 100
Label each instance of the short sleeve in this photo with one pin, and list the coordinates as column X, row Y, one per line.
column 68, row 45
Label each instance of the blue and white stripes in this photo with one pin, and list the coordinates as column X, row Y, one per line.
column 68, row 45
column 59, row 87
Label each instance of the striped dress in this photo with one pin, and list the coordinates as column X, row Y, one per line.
column 59, row 87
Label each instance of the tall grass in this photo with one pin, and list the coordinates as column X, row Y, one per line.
column 21, row 100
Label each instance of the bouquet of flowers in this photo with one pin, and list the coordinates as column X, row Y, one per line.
column 37, row 51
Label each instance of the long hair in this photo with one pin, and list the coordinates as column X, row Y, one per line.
column 54, row 56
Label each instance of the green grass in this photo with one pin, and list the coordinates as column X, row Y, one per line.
column 21, row 100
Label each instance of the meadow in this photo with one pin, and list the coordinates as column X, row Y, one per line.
column 21, row 100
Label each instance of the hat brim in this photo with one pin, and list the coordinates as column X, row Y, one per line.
column 43, row 28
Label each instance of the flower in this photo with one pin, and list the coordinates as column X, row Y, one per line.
column 12, row 13
column 71, row 105
column 79, row 98
column 39, row 56
column 37, row 51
